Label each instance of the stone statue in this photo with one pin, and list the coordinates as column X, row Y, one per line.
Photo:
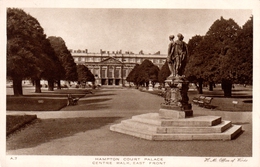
column 170, row 54
column 177, row 56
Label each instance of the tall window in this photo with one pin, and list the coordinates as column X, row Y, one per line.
column 96, row 71
column 103, row 73
column 124, row 73
column 117, row 72
column 110, row 73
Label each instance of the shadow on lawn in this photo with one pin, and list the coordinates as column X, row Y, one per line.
column 85, row 107
column 46, row 96
column 236, row 96
column 98, row 95
column 87, row 104
column 87, row 101
column 45, row 130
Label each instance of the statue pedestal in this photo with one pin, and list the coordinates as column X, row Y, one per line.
column 176, row 100
column 150, row 88
column 167, row 112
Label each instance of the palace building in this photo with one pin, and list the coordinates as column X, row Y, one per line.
column 113, row 68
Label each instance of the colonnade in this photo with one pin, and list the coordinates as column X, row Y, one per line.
column 112, row 74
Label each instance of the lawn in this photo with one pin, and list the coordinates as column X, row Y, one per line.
column 54, row 101
column 15, row 122
column 241, row 100
column 34, row 103
column 45, row 101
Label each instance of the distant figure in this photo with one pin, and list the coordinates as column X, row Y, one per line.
column 72, row 101
column 177, row 56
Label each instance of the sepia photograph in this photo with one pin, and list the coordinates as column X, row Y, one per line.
column 129, row 83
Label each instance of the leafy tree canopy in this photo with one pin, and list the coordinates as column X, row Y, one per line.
column 25, row 56
column 131, row 75
column 219, row 54
column 29, row 54
column 84, row 74
column 164, row 73
column 144, row 73
column 65, row 57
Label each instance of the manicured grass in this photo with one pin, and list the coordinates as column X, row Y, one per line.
column 45, row 101
column 34, row 104
column 232, row 104
column 50, row 129
column 15, row 122
column 241, row 99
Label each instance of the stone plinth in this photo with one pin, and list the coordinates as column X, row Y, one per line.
column 150, row 88
column 173, row 111
column 152, row 127
column 165, row 113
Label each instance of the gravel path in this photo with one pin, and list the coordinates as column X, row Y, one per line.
column 84, row 130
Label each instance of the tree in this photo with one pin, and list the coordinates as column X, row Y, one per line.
column 146, row 72
column 222, row 36
column 67, row 61
column 25, row 56
column 143, row 73
column 212, row 56
column 194, row 43
column 164, row 73
column 84, row 74
column 243, row 62
column 55, row 69
column 194, row 67
column 132, row 74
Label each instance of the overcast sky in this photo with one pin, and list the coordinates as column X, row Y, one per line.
column 128, row 29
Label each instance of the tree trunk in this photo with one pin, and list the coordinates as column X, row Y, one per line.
column 227, row 87
column 38, row 86
column 228, row 92
column 17, row 86
column 58, row 84
column 200, row 85
column 50, row 85
column 211, row 84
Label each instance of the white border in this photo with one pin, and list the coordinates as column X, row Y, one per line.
column 65, row 161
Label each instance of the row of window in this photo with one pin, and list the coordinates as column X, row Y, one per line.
column 125, row 60
column 111, row 73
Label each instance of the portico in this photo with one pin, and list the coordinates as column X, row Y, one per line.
column 110, row 71
column 113, row 68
